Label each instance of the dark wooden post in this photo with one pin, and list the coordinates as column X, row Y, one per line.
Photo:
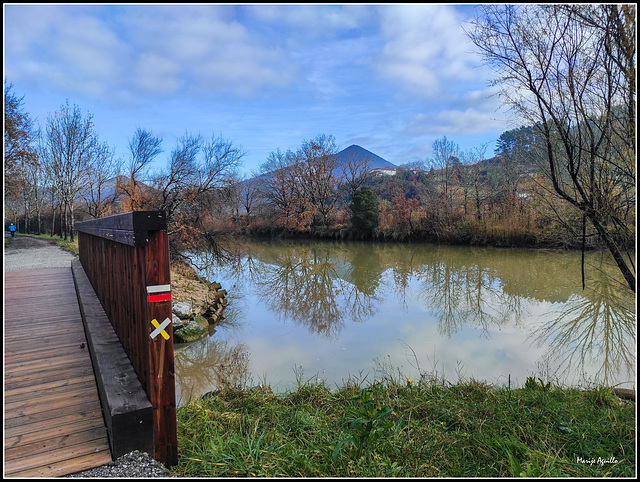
column 126, row 258
column 161, row 365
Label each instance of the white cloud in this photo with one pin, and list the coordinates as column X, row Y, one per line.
column 453, row 122
column 425, row 48
column 212, row 52
column 287, row 72
column 65, row 46
column 142, row 49
column 313, row 20
column 156, row 74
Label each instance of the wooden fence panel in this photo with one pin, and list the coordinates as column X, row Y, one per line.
column 126, row 258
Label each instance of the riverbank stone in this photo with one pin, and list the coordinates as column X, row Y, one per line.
column 181, row 309
column 176, row 322
column 190, row 331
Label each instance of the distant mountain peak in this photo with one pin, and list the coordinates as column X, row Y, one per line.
column 358, row 152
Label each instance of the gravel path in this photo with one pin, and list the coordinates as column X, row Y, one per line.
column 25, row 253
column 22, row 253
column 133, row 464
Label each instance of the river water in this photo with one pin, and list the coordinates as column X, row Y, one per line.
column 362, row 312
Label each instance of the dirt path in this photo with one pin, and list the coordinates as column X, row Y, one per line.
column 24, row 252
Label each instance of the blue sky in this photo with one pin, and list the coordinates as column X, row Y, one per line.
column 390, row 78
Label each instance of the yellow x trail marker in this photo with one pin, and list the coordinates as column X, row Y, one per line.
column 160, row 328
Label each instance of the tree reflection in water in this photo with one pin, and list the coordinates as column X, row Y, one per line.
column 324, row 285
column 469, row 295
column 595, row 328
column 459, row 293
column 302, row 284
column 211, row 364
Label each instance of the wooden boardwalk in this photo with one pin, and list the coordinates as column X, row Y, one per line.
column 52, row 416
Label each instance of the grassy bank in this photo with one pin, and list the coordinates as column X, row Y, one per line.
column 409, row 429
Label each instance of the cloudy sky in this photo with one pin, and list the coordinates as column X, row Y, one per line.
column 390, row 78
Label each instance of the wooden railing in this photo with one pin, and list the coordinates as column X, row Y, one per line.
column 126, row 258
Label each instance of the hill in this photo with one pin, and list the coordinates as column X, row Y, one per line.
column 356, row 152
column 353, row 152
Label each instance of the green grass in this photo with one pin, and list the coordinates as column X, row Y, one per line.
column 410, row 429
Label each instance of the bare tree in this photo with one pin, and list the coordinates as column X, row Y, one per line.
column 315, row 173
column 71, row 147
column 355, row 171
column 99, row 196
column 144, row 147
column 32, row 195
column 278, row 186
column 197, row 170
column 472, row 177
column 19, row 134
column 570, row 71
column 20, row 157
column 50, row 180
column 249, row 194
column 445, row 155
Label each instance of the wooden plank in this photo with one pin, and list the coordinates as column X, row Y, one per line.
column 40, row 460
column 127, row 409
column 83, row 378
column 45, row 400
column 44, row 377
column 47, row 405
column 38, row 415
column 27, row 353
column 62, row 421
column 51, row 432
column 53, row 443
column 52, row 391
column 71, row 465
column 56, row 360
column 53, row 418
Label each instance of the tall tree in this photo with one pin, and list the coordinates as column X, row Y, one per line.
column 473, row 178
column 570, row 72
column 355, row 171
column 315, row 172
column 248, row 194
column 19, row 133
column 144, row 147
column 71, row 148
column 197, row 170
column 280, row 189
column 302, row 184
column 100, row 192
column 364, row 209
column 446, row 154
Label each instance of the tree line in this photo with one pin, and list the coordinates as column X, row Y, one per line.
column 566, row 178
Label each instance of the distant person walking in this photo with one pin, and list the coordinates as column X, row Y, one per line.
column 12, row 230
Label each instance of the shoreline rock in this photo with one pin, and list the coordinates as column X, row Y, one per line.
column 195, row 318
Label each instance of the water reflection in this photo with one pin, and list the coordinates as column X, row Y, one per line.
column 470, row 295
column 595, row 329
column 365, row 295
column 210, row 364
column 303, row 284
